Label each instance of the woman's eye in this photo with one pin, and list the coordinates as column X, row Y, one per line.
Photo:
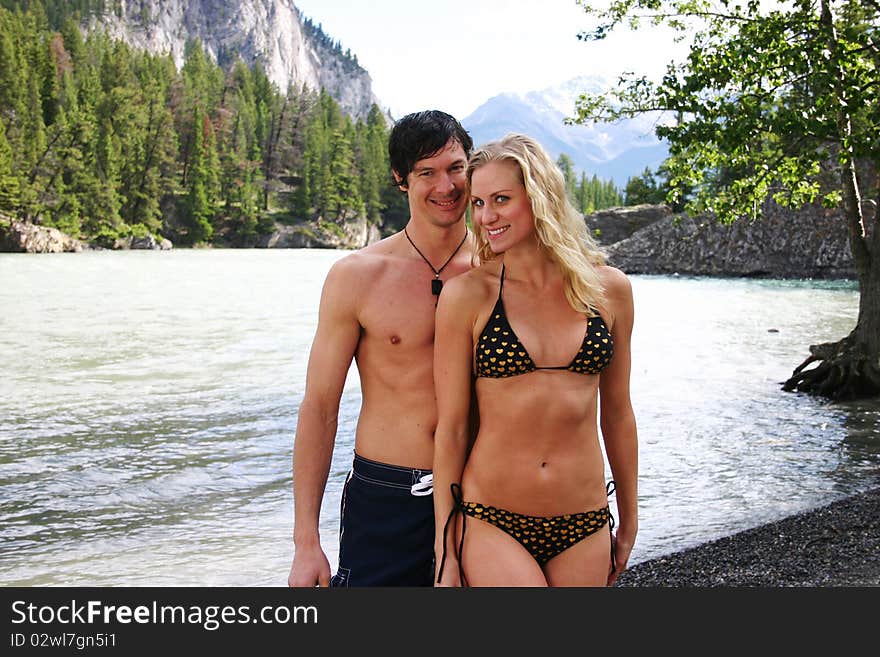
column 477, row 203
column 501, row 198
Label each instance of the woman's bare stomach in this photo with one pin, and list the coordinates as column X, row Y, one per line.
column 536, row 478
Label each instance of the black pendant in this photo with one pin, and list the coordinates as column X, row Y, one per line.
column 436, row 286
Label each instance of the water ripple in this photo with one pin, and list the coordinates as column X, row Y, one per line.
column 147, row 425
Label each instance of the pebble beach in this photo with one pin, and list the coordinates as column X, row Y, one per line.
column 836, row 545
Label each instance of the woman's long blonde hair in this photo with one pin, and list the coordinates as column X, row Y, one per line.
column 562, row 231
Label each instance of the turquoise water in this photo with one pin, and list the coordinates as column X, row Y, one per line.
column 148, row 402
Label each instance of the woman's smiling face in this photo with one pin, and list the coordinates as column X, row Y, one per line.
column 501, row 206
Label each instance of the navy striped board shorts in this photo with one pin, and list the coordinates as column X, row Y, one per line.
column 386, row 527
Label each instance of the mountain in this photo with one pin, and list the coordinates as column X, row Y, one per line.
column 290, row 47
column 612, row 151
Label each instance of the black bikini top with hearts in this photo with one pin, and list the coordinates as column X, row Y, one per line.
column 501, row 354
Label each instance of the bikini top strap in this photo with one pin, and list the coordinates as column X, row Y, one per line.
column 501, row 285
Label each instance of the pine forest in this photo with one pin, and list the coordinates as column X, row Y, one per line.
column 103, row 141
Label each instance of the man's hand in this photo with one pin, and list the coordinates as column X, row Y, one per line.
column 310, row 568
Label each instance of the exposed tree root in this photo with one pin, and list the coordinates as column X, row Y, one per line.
column 844, row 372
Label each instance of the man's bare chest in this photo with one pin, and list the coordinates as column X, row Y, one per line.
column 399, row 313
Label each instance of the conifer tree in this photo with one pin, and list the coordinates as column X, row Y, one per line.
column 318, row 140
column 102, row 204
column 566, row 164
column 34, row 143
column 374, row 164
column 48, row 68
column 302, row 198
column 202, row 184
column 344, row 199
column 644, row 189
column 150, row 146
column 237, row 146
column 72, row 39
column 582, row 200
column 9, row 183
column 12, row 66
column 201, row 87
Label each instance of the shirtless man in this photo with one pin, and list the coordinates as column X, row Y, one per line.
column 377, row 306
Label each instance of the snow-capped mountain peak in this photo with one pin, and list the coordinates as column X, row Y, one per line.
column 611, row 151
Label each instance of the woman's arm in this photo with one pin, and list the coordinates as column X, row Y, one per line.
column 453, row 349
column 617, row 418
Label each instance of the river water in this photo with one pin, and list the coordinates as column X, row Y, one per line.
column 148, row 402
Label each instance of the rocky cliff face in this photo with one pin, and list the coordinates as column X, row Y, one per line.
column 268, row 31
column 353, row 234
column 617, row 224
column 811, row 242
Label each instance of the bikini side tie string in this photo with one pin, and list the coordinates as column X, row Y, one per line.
column 457, row 507
column 610, row 488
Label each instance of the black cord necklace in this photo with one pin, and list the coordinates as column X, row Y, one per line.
column 437, row 284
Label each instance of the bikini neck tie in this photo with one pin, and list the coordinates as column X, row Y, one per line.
column 437, row 284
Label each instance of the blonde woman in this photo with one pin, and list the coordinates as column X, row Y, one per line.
column 537, row 338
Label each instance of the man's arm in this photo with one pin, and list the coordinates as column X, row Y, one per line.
column 333, row 348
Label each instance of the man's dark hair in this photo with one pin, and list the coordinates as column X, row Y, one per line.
column 420, row 135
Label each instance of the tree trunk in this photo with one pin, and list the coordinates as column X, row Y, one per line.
column 850, row 368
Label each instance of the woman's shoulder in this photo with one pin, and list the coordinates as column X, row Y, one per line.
column 477, row 280
column 472, row 288
column 618, row 295
column 615, row 281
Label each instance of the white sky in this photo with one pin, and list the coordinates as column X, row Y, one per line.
column 453, row 55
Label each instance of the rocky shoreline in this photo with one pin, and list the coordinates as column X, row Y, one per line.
column 812, row 242
column 837, row 545
column 24, row 237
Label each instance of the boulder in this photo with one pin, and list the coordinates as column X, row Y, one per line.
column 25, row 237
column 148, row 243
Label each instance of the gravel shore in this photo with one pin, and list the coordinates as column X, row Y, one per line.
column 833, row 545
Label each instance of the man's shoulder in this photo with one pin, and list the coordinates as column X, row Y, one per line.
column 365, row 261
